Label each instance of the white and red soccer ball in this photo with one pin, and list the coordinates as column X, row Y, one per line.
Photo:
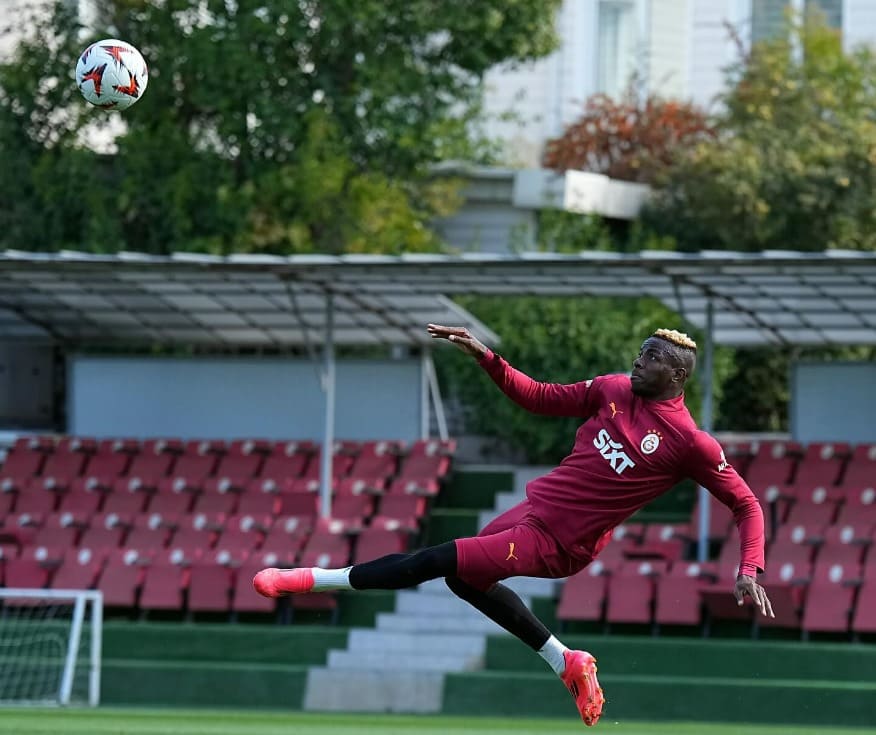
column 111, row 74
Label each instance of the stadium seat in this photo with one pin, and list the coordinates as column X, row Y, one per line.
column 78, row 500
column 235, row 470
column 325, row 549
column 163, row 586
column 34, row 499
column 64, row 537
column 124, row 503
column 22, row 462
column 287, row 460
column 170, row 503
column 99, row 538
column 860, row 534
column 341, row 464
column 582, row 597
column 829, row 603
column 210, row 587
column 845, row 554
column 106, row 466
column 148, row 467
column 49, row 556
column 240, row 534
column 191, row 470
column 258, row 503
column 145, row 539
column 7, row 502
column 864, row 617
column 351, row 511
column 377, row 461
column 859, row 505
column 400, row 512
column 288, row 534
column 813, row 509
column 25, row 574
column 61, row 467
column 661, row 541
column 860, row 471
column 785, row 582
column 79, row 570
column 373, row 543
column 215, row 501
column 720, row 520
column 631, row 591
column 822, row 464
column 428, row 458
column 739, row 454
column 298, row 504
column 427, row 487
column 678, row 599
column 121, row 579
column 773, row 464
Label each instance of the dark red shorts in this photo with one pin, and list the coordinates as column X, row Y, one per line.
column 516, row 544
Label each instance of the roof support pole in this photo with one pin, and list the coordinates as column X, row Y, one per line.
column 328, row 387
column 435, row 393
column 425, row 417
column 708, row 397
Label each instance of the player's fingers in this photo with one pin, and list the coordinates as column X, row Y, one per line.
column 769, row 606
column 739, row 594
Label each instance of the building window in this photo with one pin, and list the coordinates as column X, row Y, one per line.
column 616, row 45
column 768, row 17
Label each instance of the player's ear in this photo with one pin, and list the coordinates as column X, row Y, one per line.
column 679, row 375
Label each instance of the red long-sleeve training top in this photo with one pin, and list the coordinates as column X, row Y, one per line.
column 628, row 451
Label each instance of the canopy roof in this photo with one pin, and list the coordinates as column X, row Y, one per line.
column 774, row 297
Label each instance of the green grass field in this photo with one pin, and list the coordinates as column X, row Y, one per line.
column 213, row 722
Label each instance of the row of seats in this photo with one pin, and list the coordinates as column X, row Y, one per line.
column 162, row 532
column 788, row 464
column 84, row 464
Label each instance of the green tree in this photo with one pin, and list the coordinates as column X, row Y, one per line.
column 267, row 125
column 793, row 164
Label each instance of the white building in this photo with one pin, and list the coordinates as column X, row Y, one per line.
column 677, row 48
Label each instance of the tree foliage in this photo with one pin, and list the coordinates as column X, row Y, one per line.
column 630, row 139
column 793, row 164
column 268, row 125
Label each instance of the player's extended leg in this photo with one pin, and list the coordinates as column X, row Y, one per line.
column 577, row 669
column 390, row 572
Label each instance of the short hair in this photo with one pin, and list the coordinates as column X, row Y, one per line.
column 677, row 338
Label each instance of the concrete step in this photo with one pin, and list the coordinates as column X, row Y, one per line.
column 383, row 661
column 437, row 624
column 411, row 603
column 523, row 475
column 362, row 640
column 343, row 690
column 526, row 587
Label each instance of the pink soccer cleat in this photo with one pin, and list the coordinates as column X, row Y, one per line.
column 580, row 679
column 273, row 582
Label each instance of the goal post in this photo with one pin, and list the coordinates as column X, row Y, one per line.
column 50, row 646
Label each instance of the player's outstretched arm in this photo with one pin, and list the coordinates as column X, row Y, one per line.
column 461, row 337
column 548, row 399
column 746, row 585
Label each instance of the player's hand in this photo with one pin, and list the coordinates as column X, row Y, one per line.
column 746, row 585
column 461, row 337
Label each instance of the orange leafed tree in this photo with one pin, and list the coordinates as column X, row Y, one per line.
column 628, row 139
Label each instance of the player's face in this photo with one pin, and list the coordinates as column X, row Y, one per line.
column 653, row 369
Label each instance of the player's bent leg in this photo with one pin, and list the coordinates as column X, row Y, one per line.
column 390, row 572
column 580, row 679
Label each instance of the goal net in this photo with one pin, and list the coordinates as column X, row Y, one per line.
column 50, row 646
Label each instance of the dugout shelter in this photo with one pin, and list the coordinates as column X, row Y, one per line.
column 318, row 302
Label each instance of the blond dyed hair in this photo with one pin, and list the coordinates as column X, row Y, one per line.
column 676, row 338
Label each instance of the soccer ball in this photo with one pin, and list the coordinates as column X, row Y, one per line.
column 111, row 74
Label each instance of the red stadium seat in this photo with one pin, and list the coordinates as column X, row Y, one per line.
column 170, row 503
column 864, row 618
column 373, row 543
column 148, row 467
column 341, row 464
column 288, row 534
column 427, row 487
column 98, row 538
column 845, row 554
column 678, row 599
column 813, row 510
column 359, row 485
column 147, row 539
column 377, row 460
column 121, row 579
column 7, row 502
column 849, row 533
column 124, row 503
column 63, row 537
column 323, row 549
column 105, row 466
column 288, row 460
column 351, row 511
column 191, row 470
column 662, row 541
column 210, row 588
column 720, row 520
column 859, row 505
column 25, row 574
column 822, row 464
column 48, row 556
column 237, row 469
column 631, row 592
column 79, row 570
column 163, row 587
column 61, row 467
column 828, row 606
column 773, row 463
column 21, row 463
column 298, row 504
column 258, row 503
column 214, row 501
column 860, row 472
column 35, row 500
column 77, row 500
column 402, row 512
column 582, row 597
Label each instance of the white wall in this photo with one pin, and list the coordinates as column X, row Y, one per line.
column 859, row 23
column 668, row 32
column 226, row 398
column 833, row 402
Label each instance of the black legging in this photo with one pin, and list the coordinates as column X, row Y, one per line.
column 500, row 604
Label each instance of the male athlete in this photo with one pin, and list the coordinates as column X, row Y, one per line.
column 637, row 441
